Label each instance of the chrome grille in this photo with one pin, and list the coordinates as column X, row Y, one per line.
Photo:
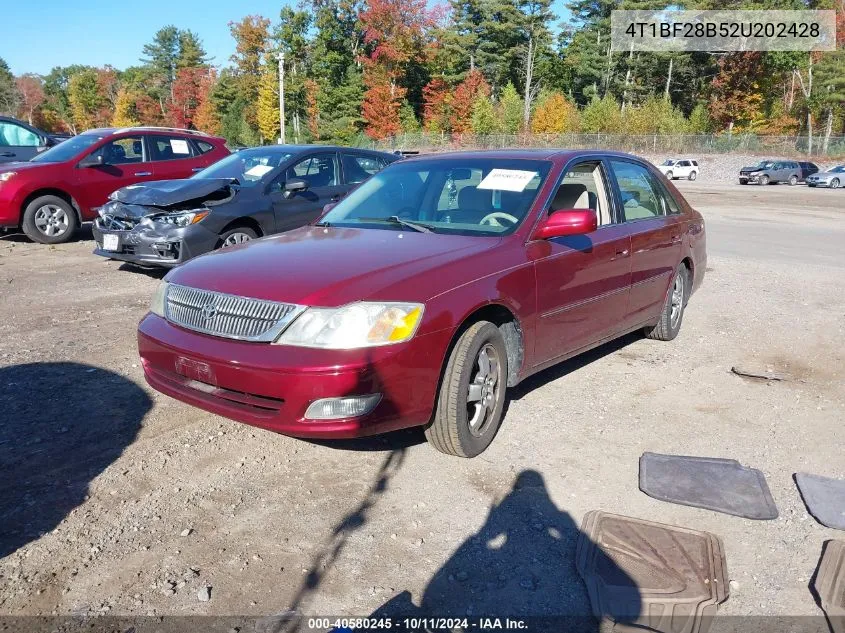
column 228, row 316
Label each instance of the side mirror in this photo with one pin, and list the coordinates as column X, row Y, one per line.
column 92, row 160
column 295, row 185
column 567, row 222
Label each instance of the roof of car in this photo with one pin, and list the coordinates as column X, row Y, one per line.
column 523, row 154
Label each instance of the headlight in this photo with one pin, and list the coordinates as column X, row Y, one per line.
column 355, row 325
column 6, row 175
column 182, row 219
column 157, row 302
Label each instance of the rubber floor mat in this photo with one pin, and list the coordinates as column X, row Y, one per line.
column 824, row 497
column 830, row 584
column 723, row 485
column 648, row 574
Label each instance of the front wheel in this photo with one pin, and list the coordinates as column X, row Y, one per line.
column 472, row 394
column 693, row 175
column 49, row 220
column 764, row 180
column 672, row 315
column 670, row 175
column 793, row 180
column 834, row 184
column 236, row 236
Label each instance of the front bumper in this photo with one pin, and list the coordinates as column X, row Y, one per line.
column 749, row 178
column 271, row 386
column 818, row 183
column 156, row 244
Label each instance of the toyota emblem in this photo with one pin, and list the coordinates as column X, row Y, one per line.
column 209, row 311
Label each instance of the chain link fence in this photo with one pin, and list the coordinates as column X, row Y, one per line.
column 677, row 144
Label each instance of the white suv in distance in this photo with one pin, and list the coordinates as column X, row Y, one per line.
column 680, row 168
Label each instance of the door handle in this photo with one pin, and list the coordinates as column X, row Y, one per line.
column 196, row 169
column 676, row 239
column 8, row 154
column 143, row 173
column 620, row 254
column 336, row 197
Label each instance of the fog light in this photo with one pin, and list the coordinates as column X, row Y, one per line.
column 336, row 408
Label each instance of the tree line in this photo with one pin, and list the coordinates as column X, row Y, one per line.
column 384, row 67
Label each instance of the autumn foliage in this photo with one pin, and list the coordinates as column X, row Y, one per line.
column 466, row 93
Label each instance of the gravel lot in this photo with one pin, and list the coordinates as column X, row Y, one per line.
column 118, row 500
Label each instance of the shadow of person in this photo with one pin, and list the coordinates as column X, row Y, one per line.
column 61, row 425
column 520, row 565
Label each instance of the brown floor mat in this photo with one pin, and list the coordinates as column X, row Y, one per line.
column 830, row 584
column 649, row 574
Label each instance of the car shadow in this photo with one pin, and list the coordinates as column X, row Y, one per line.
column 153, row 273
column 83, row 234
column 62, row 424
column 573, row 364
column 520, row 565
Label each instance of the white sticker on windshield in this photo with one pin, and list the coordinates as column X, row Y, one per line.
column 258, row 170
column 179, row 146
column 507, row 180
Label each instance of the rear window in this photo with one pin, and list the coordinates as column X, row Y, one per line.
column 204, row 147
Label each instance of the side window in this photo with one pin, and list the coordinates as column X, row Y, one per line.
column 169, row 148
column 123, row 151
column 640, row 197
column 685, row 163
column 358, row 167
column 319, row 170
column 12, row 135
column 203, row 147
column 584, row 187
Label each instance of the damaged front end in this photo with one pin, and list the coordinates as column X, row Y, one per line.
column 159, row 224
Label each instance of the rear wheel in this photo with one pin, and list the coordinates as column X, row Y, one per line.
column 793, row 180
column 834, row 184
column 672, row 315
column 472, row 394
column 235, row 236
column 693, row 175
column 49, row 220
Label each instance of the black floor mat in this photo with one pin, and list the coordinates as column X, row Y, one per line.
column 723, row 485
column 640, row 573
column 824, row 497
column 829, row 584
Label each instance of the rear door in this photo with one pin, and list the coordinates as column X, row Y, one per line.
column 322, row 173
column 656, row 231
column 125, row 162
column 18, row 143
column 174, row 157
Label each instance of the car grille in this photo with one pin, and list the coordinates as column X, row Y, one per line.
column 112, row 223
column 228, row 316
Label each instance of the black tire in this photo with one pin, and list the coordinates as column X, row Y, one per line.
column 764, row 180
column 793, row 180
column 238, row 230
column 743, row 182
column 667, row 328
column 669, row 175
column 693, row 175
column 450, row 431
column 49, row 220
column 834, row 184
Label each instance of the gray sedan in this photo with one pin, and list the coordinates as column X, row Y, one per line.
column 833, row 178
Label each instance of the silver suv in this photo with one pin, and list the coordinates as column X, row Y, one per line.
column 769, row 171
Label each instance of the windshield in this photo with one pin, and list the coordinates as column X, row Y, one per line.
column 68, row 149
column 764, row 164
column 248, row 166
column 465, row 196
column 668, row 163
column 839, row 169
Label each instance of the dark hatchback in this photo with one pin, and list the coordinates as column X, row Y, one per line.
column 252, row 193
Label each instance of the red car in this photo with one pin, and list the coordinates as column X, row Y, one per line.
column 425, row 293
column 66, row 185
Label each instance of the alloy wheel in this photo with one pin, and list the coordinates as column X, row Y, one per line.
column 236, row 238
column 677, row 300
column 51, row 220
column 484, row 390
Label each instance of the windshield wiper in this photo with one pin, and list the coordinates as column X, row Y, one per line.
column 395, row 219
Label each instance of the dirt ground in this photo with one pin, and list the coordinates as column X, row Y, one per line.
column 115, row 499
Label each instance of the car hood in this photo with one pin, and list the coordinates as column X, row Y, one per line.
column 167, row 193
column 319, row 266
column 829, row 174
column 753, row 168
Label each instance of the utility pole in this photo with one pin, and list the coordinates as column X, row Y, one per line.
column 282, row 95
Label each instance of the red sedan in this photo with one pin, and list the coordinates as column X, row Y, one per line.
column 423, row 295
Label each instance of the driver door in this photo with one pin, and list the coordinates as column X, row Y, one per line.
column 321, row 172
column 125, row 162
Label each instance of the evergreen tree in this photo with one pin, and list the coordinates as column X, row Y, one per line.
column 9, row 97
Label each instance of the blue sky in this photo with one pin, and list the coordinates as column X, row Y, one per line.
column 40, row 34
